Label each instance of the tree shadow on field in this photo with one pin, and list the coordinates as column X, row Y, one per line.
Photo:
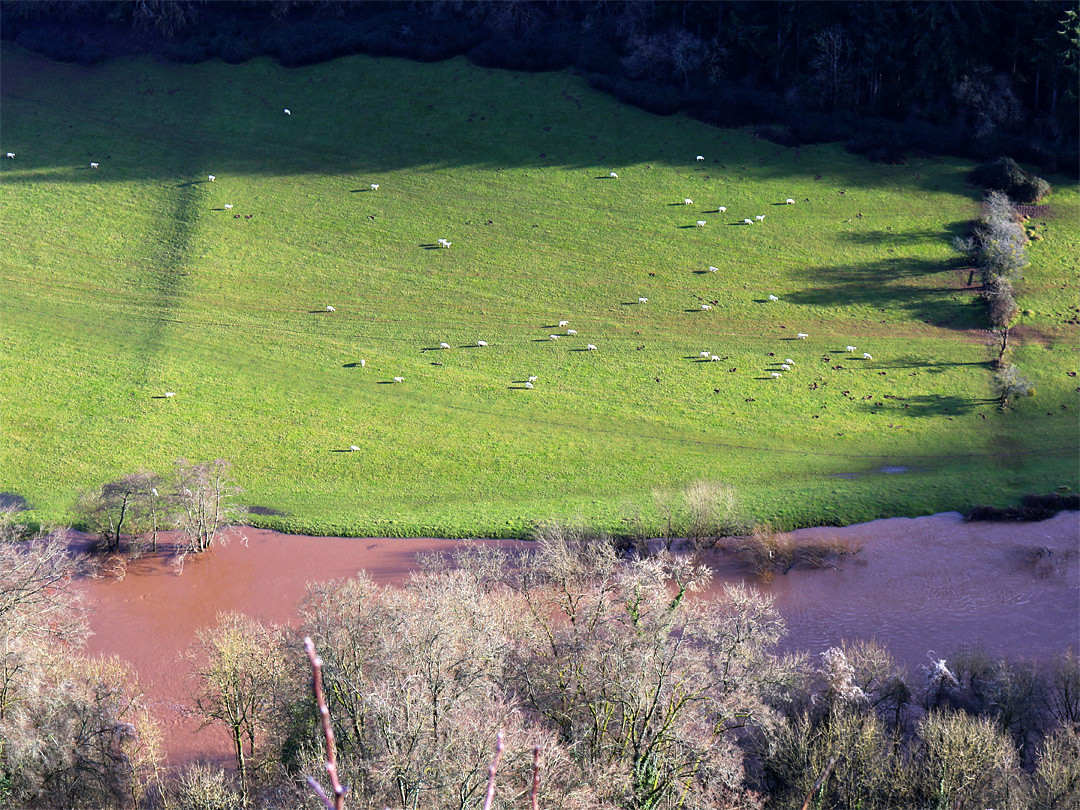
column 918, row 236
column 904, row 362
column 930, row 405
column 893, row 284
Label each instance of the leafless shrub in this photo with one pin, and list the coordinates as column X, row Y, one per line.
column 766, row 552
column 203, row 787
column 202, row 502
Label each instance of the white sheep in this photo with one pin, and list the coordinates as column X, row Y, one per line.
column 713, row 269
column 785, row 367
column 330, row 308
column 851, row 348
column 706, row 307
column 170, row 394
column 287, row 111
column 444, row 345
column 446, row 243
column 10, row 155
column 760, row 217
column 705, row 354
column 563, row 323
column 789, row 201
column 790, row 362
column 721, row 209
column 748, row 221
column 776, row 375
column 701, row 223
column 211, row 178
column 228, row 206
column 773, row 298
column 363, row 362
column 715, row 358
column 571, row 331
column 553, row 337
column 529, row 385
column 700, row 157
column 399, row 379
column 802, row 336
column 374, row 186
column 866, row 356
column 643, row 300
column 93, row 165
column 353, row 448
column 687, row 201
column 613, row 175
column 481, row 343
column 532, row 378
column 590, row 348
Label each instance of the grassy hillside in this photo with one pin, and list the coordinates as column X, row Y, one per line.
column 131, row 280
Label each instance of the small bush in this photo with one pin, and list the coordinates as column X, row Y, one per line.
column 1005, row 174
column 1001, row 306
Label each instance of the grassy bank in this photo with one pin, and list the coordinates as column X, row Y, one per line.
column 132, row 280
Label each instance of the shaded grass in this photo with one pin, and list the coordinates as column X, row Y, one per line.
column 133, row 280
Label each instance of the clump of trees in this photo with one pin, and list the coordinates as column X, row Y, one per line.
column 1005, row 175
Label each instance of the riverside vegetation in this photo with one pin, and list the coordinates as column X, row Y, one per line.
column 131, row 281
column 638, row 695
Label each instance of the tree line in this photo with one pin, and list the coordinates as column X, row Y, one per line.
column 637, row 693
column 889, row 78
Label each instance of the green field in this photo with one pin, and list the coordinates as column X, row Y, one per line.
column 125, row 282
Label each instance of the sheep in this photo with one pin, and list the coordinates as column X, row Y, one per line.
column 211, row 178
column 701, row 223
column 790, row 362
column 10, row 155
column 773, row 298
column 170, row 394
column 713, row 269
column 228, row 206
column 802, row 336
column 571, row 332
column 553, row 337
column 706, row 307
column 700, row 157
column 613, row 176
column 352, row 447
column 446, row 243
column 687, row 201
column 748, row 222
column 563, row 323
column 399, row 379
column 776, row 375
column 481, row 343
column 714, row 358
column 851, row 349
column 363, row 362
column 590, row 348
column 330, row 308
column 789, row 201
column 785, row 367
column 529, row 385
column 705, row 354
column 760, row 217
column 93, row 165
column 866, row 356
column 444, row 345
column 643, row 300
column 532, row 378
column 288, row 111
column 720, row 209
column 374, row 186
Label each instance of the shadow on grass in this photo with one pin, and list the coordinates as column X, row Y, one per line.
column 878, row 237
column 933, row 405
column 351, row 365
column 518, row 388
column 430, row 246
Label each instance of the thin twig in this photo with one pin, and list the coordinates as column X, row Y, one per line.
column 534, row 794
column 820, row 781
column 492, row 770
column 338, row 802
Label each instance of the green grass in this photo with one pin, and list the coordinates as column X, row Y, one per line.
column 131, row 280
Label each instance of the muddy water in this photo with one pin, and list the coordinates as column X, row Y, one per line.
column 918, row 584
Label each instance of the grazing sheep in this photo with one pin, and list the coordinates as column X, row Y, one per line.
column 170, row 394
column 93, row 165
column 790, row 362
column 571, row 331
column 11, row 155
column 776, row 375
column 330, row 308
column 773, row 298
column 444, row 345
column 532, row 378
column 446, row 243
column 701, row 223
column 613, row 175
column 760, row 217
column 643, row 300
column 590, row 348
column 399, row 379
column 374, row 186
column 802, row 336
column 553, row 337
column 211, row 178
column 705, row 354
column 713, row 269
column 789, row 201
column 363, row 362
column 352, row 447
column 529, row 385
column 287, row 111
column 866, row 356
column 785, row 367
column 721, row 209
column 481, row 343
column 748, row 221
column 851, row 348
column 687, row 201
column 563, row 323
column 714, row 358
column 228, row 206
column 706, row 307
column 700, row 157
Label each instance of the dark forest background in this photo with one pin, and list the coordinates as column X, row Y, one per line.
column 890, row 79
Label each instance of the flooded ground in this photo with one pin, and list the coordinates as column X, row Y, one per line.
column 917, row 585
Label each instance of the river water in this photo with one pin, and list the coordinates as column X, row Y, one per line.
column 918, row 585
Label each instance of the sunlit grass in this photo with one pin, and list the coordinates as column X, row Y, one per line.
column 132, row 280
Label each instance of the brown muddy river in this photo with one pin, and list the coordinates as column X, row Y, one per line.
column 917, row 585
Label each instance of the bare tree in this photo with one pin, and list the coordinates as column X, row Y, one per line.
column 126, row 507
column 202, row 502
